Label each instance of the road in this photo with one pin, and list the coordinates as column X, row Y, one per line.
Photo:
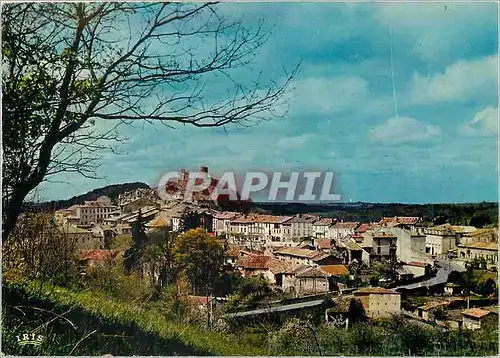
column 290, row 307
column 441, row 275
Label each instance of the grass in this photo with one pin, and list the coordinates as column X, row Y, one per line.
column 109, row 317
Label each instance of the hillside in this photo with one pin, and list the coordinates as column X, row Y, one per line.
column 111, row 191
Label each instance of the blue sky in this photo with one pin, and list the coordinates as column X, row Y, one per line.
column 442, row 146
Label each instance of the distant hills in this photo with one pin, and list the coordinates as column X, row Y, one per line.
column 475, row 214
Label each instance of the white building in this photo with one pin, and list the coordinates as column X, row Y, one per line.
column 439, row 240
column 340, row 230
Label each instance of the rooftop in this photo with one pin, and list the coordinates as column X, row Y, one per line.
column 375, row 290
column 98, row 255
column 337, row 270
column 481, row 245
column 476, row 312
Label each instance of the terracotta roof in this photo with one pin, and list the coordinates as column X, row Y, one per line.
column 324, row 244
column 362, row 228
column 375, row 290
column 305, row 253
column 277, row 266
column 337, row 270
column 255, row 262
column 481, row 245
column 397, row 220
column 312, row 272
column 303, row 218
column 476, row 312
column 345, row 225
column 324, row 222
column 98, row 255
column 226, row 215
column 432, row 305
column 158, row 222
column 414, row 263
column 233, row 251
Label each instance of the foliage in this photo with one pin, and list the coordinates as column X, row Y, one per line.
column 440, row 314
column 201, row 257
column 296, row 335
column 92, row 323
column 120, row 242
column 111, row 279
column 249, row 290
column 356, row 313
column 189, row 220
column 475, row 279
column 40, row 250
column 139, row 239
column 68, row 65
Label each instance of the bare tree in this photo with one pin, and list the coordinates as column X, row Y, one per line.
column 72, row 72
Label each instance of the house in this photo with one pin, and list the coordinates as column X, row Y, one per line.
column 384, row 244
column 479, row 235
column 379, row 302
column 475, row 318
column 232, row 254
column 439, row 240
column 336, row 274
column 83, row 238
column 417, row 268
column 477, row 250
column 451, row 289
column 202, row 303
column 138, row 204
column 311, row 280
column 321, row 228
column 158, row 223
column 426, row 312
column 301, row 226
column 267, row 266
column 302, row 256
column 406, row 222
column 403, row 274
column 222, row 221
column 91, row 258
column 342, row 229
column 324, row 245
column 352, row 251
column 338, row 314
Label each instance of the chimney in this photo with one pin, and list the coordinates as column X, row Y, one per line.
column 184, row 175
column 204, row 169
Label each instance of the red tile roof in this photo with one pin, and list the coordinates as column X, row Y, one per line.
column 312, row 272
column 375, row 290
column 98, row 255
column 254, row 262
column 362, row 228
column 324, row 244
column 476, row 312
column 337, row 270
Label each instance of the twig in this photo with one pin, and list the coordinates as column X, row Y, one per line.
column 81, row 340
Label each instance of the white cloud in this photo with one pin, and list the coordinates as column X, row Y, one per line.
column 403, row 130
column 321, row 95
column 460, row 82
column 294, row 142
column 484, row 123
column 439, row 31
